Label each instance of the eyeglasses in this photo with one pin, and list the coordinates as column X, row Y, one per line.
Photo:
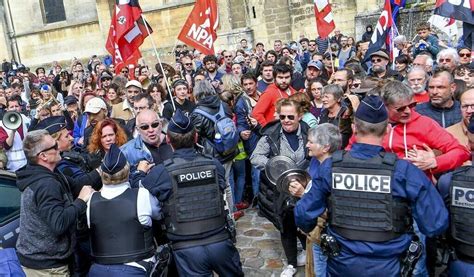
column 145, row 127
column 376, row 60
column 444, row 60
column 55, row 147
column 403, row 108
column 465, row 55
column 467, row 106
column 290, row 117
column 124, row 71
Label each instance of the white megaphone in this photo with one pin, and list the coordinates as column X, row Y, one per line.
column 12, row 120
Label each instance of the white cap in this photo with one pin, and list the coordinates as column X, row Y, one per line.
column 95, row 105
column 134, row 83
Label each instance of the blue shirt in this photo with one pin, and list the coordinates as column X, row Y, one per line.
column 408, row 182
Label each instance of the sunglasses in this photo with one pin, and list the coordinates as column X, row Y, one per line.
column 290, row 117
column 465, row 55
column 154, row 125
column 444, row 60
column 124, row 71
column 188, row 64
column 228, row 56
column 376, row 60
column 403, row 108
column 55, row 147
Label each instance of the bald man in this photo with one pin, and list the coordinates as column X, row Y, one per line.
column 459, row 130
column 149, row 145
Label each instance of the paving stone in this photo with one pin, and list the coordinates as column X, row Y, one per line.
column 254, row 233
column 254, row 262
column 244, row 241
column 248, row 253
column 273, row 264
column 270, row 254
column 244, row 224
column 268, row 244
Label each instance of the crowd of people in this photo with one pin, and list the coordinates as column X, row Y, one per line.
column 116, row 166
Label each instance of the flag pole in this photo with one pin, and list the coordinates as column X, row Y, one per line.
column 392, row 46
column 330, row 54
column 159, row 61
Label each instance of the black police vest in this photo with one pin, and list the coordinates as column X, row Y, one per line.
column 196, row 206
column 361, row 206
column 461, row 208
column 117, row 236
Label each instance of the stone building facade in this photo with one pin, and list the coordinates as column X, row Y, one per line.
column 38, row 32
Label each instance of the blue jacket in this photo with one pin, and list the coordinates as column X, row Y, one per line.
column 242, row 109
column 135, row 151
column 79, row 129
column 445, row 117
column 457, row 268
column 9, row 264
column 359, row 258
column 433, row 48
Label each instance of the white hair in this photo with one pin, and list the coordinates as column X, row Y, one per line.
column 449, row 52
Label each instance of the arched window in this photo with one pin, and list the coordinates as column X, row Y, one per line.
column 53, row 11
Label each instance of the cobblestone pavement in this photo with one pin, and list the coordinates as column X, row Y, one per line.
column 259, row 245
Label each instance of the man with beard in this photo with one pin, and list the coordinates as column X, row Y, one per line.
column 380, row 68
column 459, row 130
column 312, row 47
column 346, row 52
column 264, row 111
column 212, row 75
column 442, row 107
column 266, row 71
column 124, row 110
column 448, row 59
column 416, row 79
column 344, row 78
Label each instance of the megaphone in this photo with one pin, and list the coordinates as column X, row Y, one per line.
column 12, row 120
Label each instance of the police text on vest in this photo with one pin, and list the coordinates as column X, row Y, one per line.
column 463, row 197
column 194, row 176
column 361, row 182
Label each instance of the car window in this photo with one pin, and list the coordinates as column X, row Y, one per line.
column 9, row 200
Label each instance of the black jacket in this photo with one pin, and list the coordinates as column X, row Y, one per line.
column 205, row 127
column 48, row 217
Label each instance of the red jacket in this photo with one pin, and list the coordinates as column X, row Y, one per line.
column 422, row 129
column 264, row 111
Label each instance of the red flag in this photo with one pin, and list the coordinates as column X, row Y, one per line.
column 199, row 31
column 127, row 32
column 461, row 10
column 324, row 20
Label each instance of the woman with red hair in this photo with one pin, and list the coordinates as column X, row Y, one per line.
column 106, row 133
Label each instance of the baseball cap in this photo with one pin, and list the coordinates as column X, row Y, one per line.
column 317, row 64
column 134, row 83
column 95, row 105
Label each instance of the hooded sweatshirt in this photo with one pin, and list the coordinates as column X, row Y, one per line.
column 47, row 218
column 421, row 130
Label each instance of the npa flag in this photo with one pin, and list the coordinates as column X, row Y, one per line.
column 380, row 35
column 324, row 19
column 199, row 31
column 127, row 32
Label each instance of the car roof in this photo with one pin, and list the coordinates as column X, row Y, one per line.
column 7, row 173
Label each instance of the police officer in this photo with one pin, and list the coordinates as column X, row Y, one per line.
column 382, row 193
column 72, row 165
column 457, row 189
column 190, row 186
column 119, row 218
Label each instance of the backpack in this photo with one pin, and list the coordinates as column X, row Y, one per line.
column 225, row 127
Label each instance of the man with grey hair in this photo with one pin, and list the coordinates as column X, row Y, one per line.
column 425, row 61
column 448, row 59
column 48, row 211
column 416, row 80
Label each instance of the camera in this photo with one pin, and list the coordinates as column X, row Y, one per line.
column 422, row 46
column 329, row 246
